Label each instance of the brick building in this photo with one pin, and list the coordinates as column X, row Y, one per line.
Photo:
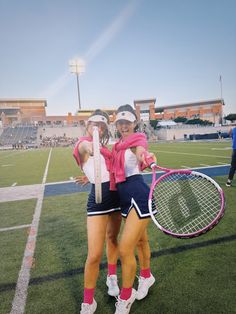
column 24, row 111
column 33, row 111
column 211, row 110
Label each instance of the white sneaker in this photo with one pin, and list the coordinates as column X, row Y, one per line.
column 113, row 288
column 143, row 286
column 88, row 308
column 124, row 306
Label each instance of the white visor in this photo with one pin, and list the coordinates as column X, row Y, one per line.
column 98, row 118
column 125, row 115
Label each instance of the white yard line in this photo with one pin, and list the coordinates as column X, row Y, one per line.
column 59, row 182
column 223, row 148
column 22, row 192
column 14, row 184
column 189, row 154
column 14, row 228
column 19, row 301
column 192, row 168
column 204, row 165
column 221, row 163
column 186, row 167
column 9, row 165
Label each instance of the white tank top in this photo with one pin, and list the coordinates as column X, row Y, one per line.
column 88, row 168
column 131, row 163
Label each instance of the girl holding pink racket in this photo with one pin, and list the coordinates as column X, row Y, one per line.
column 181, row 203
column 128, row 161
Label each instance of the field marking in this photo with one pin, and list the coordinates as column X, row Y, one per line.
column 190, row 154
column 103, row 266
column 224, row 148
column 22, row 192
column 14, row 228
column 9, row 165
column 192, row 168
column 19, row 301
column 221, row 163
column 14, row 184
column 13, row 154
column 204, row 165
column 186, row 167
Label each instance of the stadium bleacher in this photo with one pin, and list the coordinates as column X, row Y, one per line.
column 20, row 135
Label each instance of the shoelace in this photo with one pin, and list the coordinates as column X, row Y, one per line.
column 113, row 281
column 86, row 308
column 141, row 282
column 120, row 305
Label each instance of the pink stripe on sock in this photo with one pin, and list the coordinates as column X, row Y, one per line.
column 112, row 269
column 88, row 295
column 145, row 273
column 125, row 293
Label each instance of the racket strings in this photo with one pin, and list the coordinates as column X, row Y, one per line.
column 185, row 203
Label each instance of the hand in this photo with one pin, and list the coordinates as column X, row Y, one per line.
column 83, row 180
column 148, row 158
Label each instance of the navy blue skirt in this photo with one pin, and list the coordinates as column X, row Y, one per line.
column 134, row 193
column 110, row 201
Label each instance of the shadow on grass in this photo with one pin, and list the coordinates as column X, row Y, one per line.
column 168, row 251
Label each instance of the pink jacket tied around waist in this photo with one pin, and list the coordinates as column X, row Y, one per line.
column 118, row 157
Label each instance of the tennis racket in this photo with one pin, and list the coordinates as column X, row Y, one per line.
column 188, row 203
column 97, row 165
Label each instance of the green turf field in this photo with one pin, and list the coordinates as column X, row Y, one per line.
column 193, row 276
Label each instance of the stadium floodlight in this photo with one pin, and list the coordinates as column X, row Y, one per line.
column 221, row 93
column 77, row 66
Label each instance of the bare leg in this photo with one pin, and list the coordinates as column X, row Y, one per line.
column 144, row 252
column 96, row 230
column 133, row 230
column 113, row 229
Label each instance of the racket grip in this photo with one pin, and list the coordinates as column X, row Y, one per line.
column 149, row 159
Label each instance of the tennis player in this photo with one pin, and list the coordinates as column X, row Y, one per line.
column 128, row 161
column 103, row 220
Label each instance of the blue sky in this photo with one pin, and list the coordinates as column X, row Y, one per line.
column 171, row 50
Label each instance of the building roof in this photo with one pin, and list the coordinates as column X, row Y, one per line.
column 145, row 101
column 89, row 111
column 22, row 100
column 193, row 104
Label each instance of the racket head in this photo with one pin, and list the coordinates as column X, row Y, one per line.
column 97, row 165
column 188, row 203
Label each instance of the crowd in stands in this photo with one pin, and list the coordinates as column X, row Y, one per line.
column 28, row 136
column 58, row 141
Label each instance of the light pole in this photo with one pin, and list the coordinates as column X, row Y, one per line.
column 222, row 102
column 77, row 66
column 221, row 93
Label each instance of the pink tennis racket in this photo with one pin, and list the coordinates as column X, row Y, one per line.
column 188, row 203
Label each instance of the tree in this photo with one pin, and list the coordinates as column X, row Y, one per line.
column 231, row 117
column 153, row 123
column 180, row 120
column 199, row 121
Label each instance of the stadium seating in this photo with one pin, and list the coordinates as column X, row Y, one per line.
column 19, row 135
